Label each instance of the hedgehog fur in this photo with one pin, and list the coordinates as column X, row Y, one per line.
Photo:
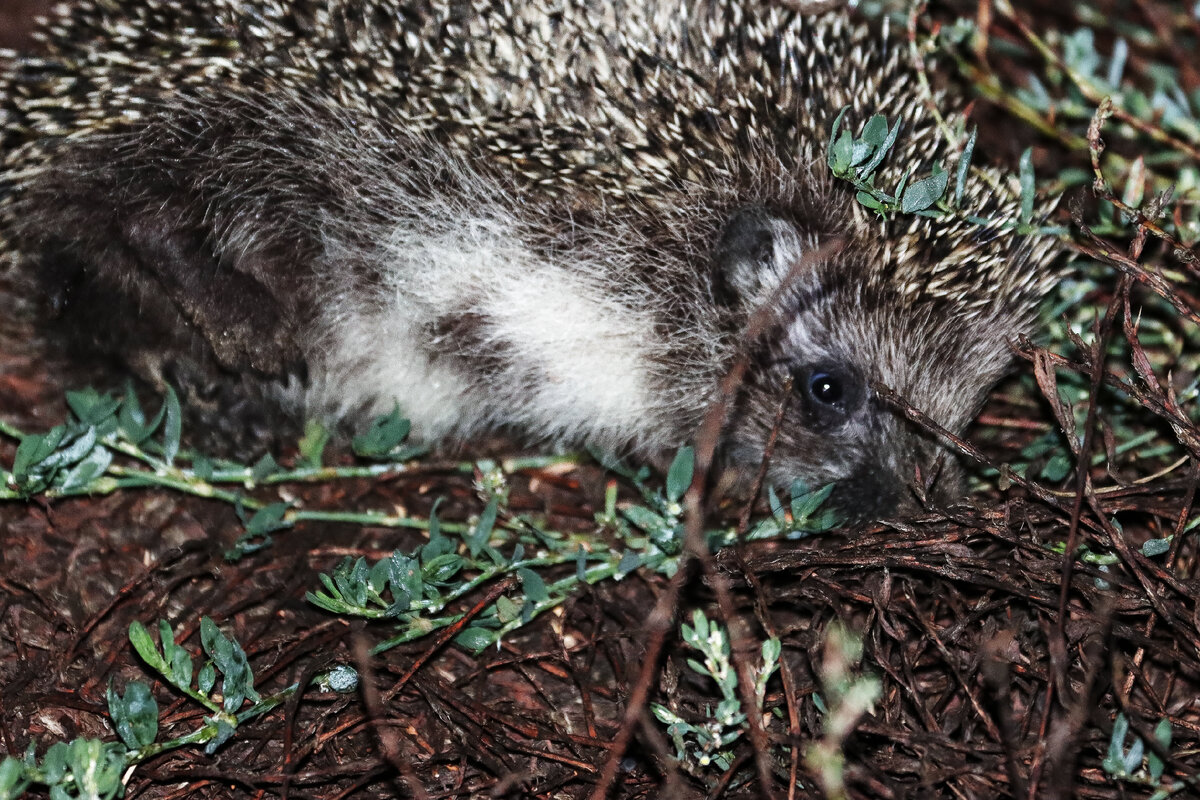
column 552, row 218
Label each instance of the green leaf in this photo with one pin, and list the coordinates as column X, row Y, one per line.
column 843, row 154
column 203, row 467
column 12, row 779
column 134, row 715
column 475, row 639
column 1027, row 186
column 1162, row 733
column 875, row 131
column 207, row 679
column 78, row 448
column 535, row 587
column 173, row 430
column 773, row 503
column 93, row 771
column 330, row 586
column 312, row 445
column 442, row 568
column 1162, row 737
column 1133, row 759
column 36, row 448
column 645, row 519
column 268, row 519
column 237, row 683
column 380, row 575
column 1154, row 765
column 178, row 659
column 804, row 503
column 264, row 468
column 666, row 716
column 868, row 200
column 224, row 734
column 385, row 434
column 406, row 578
column 964, row 168
column 700, row 628
column 91, row 467
column 860, row 152
column 325, row 602
column 1057, row 467
column 507, row 610
column 166, row 640
column 139, row 637
column 630, row 561
column 132, row 422
column 831, row 156
column 483, row 529
column 351, row 577
column 92, row 408
column 54, row 763
column 679, row 476
column 924, row 193
column 1114, row 760
column 438, row 544
column 96, row 770
column 130, row 417
column 867, row 170
column 1156, row 547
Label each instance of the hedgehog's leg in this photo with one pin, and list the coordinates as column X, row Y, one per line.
column 141, row 272
column 246, row 327
column 137, row 298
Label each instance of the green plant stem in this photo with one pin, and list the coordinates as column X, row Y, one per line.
column 416, row 632
column 374, row 518
column 209, row 730
column 607, row 568
column 11, row 432
column 557, row 593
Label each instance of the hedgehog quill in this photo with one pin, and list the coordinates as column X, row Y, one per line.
column 548, row 218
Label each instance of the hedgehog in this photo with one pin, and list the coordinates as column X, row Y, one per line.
column 548, row 219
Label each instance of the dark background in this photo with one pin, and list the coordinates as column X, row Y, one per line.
column 16, row 21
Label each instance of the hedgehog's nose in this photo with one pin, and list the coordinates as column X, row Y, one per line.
column 868, row 494
column 928, row 478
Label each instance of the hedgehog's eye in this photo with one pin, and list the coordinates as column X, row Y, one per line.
column 825, row 388
column 830, row 393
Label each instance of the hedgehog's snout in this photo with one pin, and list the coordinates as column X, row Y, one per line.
column 838, row 432
column 906, row 476
column 871, row 492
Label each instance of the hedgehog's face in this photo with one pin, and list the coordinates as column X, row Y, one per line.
column 844, row 335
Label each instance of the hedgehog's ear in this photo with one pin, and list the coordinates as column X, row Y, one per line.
column 755, row 252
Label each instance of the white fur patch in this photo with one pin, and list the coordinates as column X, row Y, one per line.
column 576, row 355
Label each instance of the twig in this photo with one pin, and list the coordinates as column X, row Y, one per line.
column 384, row 734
